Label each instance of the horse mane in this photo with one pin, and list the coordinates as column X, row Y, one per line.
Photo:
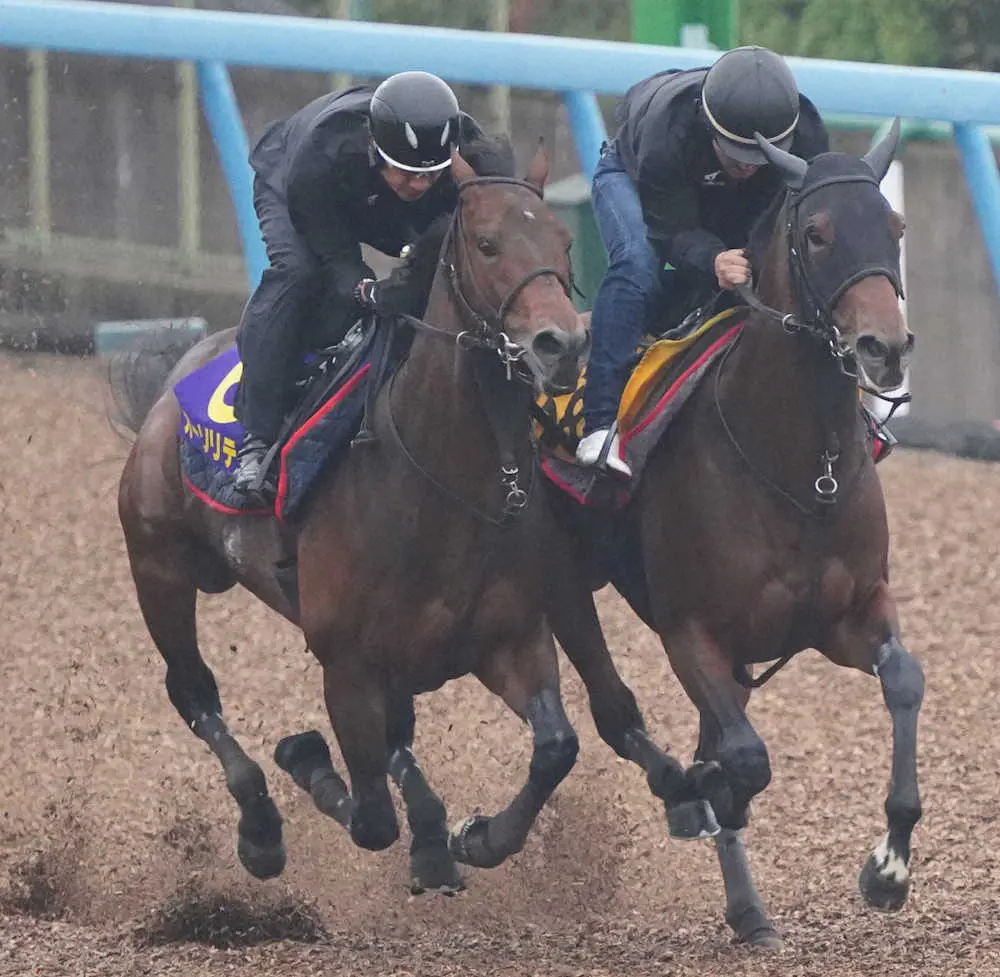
column 488, row 156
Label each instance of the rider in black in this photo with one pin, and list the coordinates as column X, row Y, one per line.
column 356, row 166
column 675, row 195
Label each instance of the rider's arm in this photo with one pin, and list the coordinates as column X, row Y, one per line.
column 320, row 214
column 670, row 207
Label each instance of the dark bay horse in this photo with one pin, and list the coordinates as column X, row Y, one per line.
column 762, row 527
column 421, row 557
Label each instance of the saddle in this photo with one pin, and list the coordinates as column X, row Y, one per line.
column 337, row 390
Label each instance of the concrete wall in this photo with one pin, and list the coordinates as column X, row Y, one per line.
column 114, row 165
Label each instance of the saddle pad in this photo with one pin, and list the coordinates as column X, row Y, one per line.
column 665, row 376
column 211, row 435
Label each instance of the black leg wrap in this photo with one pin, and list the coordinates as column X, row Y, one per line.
column 551, row 761
column 302, row 753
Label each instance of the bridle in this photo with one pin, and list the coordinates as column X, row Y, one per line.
column 818, row 320
column 817, row 323
column 489, row 325
column 487, row 333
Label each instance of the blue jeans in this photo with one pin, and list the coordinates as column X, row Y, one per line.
column 632, row 289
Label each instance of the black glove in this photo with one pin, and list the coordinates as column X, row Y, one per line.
column 388, row 296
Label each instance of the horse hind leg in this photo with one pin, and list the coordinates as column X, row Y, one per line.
column 432, row 866
column 167, row 597
column 529, row 684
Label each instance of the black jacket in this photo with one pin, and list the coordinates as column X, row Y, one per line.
column 692, row 209
column 321, row 162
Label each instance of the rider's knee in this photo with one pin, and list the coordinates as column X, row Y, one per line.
column 639, row 267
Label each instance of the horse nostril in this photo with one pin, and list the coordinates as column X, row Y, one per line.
column 550, row 343
column 909, row 343
column 872, row 349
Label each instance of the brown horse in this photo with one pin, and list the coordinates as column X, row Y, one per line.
column 761, row 525
column 421, row 557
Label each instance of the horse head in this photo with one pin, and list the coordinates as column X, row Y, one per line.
column 843, row 240
column 512, row 274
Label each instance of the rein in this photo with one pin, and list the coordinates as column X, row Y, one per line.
column 488, row 335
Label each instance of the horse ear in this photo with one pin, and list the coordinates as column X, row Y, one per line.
column 460, row 169
column 880, row 155
column 538, row 168
column 791, row 168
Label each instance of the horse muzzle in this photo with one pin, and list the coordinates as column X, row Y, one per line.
column 884, row 362
column 555, row 357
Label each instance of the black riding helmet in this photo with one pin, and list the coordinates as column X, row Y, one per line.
column 750, row 89
column 414, row 121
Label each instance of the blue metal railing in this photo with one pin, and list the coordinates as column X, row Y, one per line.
column 577, row 68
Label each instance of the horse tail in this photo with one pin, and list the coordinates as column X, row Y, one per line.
column 138, row 373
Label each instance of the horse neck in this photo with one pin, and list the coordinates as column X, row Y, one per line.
column 785, row 395
column 438, row 408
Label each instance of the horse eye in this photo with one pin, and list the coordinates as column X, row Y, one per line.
column 487, row 247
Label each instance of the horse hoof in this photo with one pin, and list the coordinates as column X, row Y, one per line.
column 691, row 820
column 433, row 869
column 469, row 843
column 766, row 938
column 262, row 862
column 260, row 846
column 881, row 887
column 753, row 928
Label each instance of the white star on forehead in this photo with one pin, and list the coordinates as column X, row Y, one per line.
column 528, row 214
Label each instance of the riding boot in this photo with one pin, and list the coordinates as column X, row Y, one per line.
column 602, row 449
column 250, row 477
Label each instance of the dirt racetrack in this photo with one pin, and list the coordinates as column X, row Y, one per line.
column 117, row 835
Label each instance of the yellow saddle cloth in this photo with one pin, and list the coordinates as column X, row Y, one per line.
column 560, row 419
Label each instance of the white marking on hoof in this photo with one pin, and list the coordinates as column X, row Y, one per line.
column 889, row 863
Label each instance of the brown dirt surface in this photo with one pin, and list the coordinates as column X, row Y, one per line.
column 117, row 835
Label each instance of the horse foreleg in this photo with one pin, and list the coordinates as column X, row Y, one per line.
column 432, row 866
column 728, row 739
column 356, row 703
column 885, row 878
column 529, row 683
column 745, row 911
column 167, row 598
column 573, row 618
